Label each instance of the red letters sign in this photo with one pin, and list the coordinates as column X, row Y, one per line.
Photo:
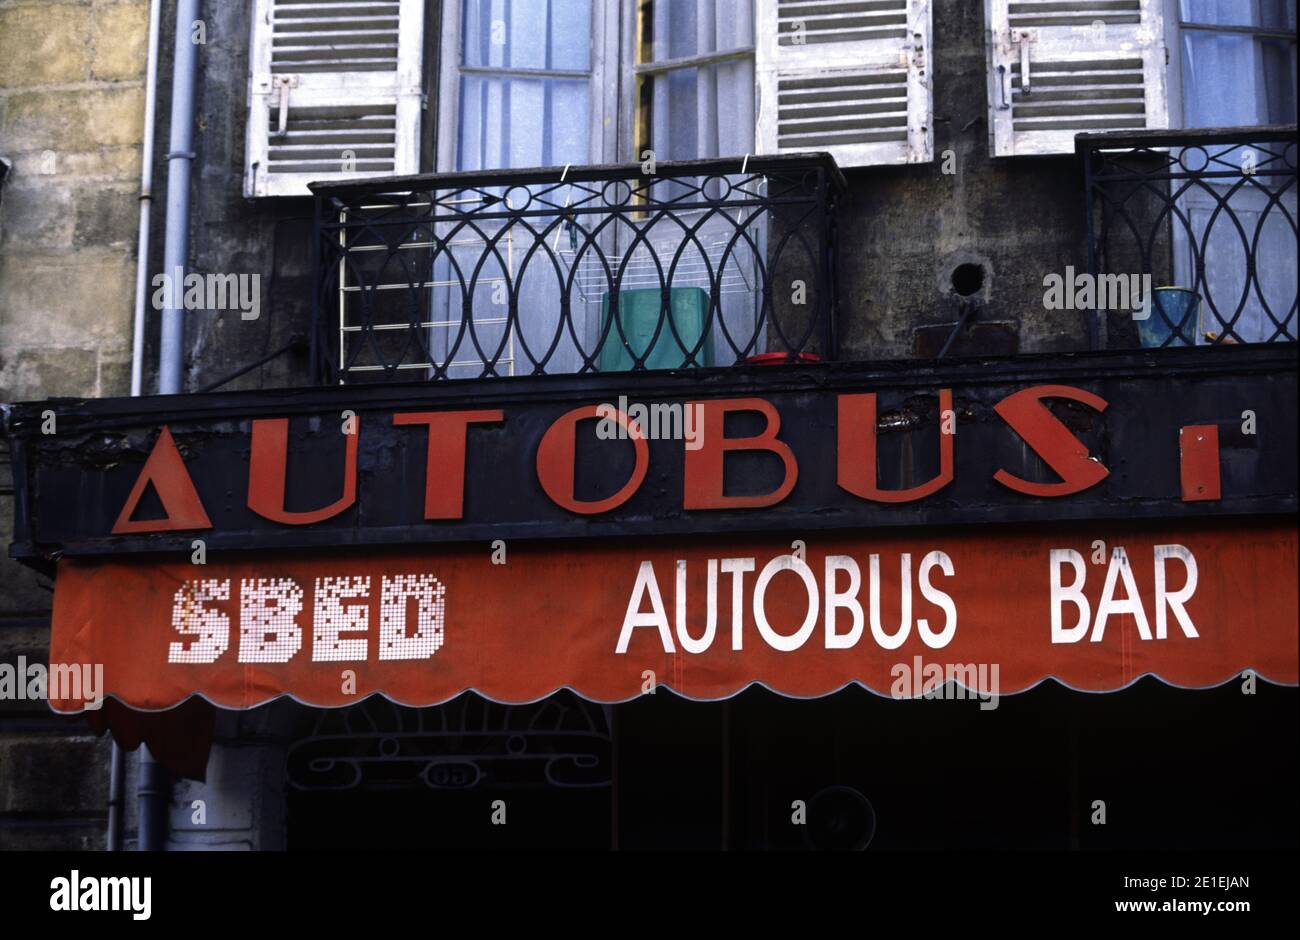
column 703, row 470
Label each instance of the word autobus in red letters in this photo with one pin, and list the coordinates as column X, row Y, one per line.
column 447, row 441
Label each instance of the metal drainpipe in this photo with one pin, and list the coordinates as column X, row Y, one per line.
column 146, row 199
column 180, row 155
column 117, row 765
column 116, row 784
column 154, row 789
column 154, row 793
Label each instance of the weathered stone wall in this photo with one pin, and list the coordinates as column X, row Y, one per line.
column 71, row 116
column 71, row 119
column 904, row 231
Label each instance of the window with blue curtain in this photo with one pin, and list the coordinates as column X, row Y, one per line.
column 695, row 78
column 1238, row 69
column 1238, row 62
column 525, row 83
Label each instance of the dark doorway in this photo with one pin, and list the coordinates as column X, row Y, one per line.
column 1172, row 768
column 470, row 774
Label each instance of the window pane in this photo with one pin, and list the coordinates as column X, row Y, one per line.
column 735, row 107
column 1219, row 13
column 528, row 34
column 1279, row 80
column 571, row 34
column 522, row 122
column 1278, row 14
column 673, row 29
column 700, row 113
column 676, row 123
column 1219, row 80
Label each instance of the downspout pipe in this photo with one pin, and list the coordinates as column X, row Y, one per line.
column 154, row 792
column 146, row 199
column 117, row 763
column 116, row 794
column 180, row 156
column 154, row 789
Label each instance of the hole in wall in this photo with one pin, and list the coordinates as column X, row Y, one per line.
column 967, row 279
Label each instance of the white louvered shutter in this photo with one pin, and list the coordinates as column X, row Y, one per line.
column 335, row 92
column 852, row 77
column 1093, row 65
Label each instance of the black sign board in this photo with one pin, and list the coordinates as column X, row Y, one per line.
column 1018, row 430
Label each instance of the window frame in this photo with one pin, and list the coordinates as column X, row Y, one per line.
column 631, row 69
column 1174, row 28
column 602, row 114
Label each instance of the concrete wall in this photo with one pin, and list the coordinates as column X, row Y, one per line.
column 904, row 231
column 71, row 118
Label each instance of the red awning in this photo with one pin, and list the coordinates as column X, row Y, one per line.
column 1093, row 605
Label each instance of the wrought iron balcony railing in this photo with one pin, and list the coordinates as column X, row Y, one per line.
column 589, row 269
column 1210, row 217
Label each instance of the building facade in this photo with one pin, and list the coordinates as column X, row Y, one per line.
column 1006, row 186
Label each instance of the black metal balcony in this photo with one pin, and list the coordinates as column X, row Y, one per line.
column 589, row 269
column 1210, row 216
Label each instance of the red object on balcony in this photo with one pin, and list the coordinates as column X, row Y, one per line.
column 780, row 359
